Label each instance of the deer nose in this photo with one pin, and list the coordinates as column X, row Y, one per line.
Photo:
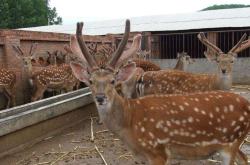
column 223, row 71
column 100, row 98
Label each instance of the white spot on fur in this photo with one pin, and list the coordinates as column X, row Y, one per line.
column 185, row 103
column 241, row 118
column 163, row 141
column 152, row 120
column 142, row 129
column 217, row 109
column 159, row 124
column 190, row 119
column 231, row 108
column 181, row 107
column 196, row 99
column 151, row 135
column 233, row 123
column 211, row 115
column 196, row 109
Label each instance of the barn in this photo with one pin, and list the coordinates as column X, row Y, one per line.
column 165, row 35
column 63, row 125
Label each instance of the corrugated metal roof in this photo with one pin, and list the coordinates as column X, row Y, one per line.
column 198, row 20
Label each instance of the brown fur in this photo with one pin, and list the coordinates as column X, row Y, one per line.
column 7, row 86
column 161, row 127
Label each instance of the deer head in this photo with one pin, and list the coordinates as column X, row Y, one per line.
column 52, row 57
column 143, row 54
column 224, row 60
column 27, row 57
column 102, row 81
column 183, row 60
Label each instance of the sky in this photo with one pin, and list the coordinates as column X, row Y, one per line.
column 95, row 10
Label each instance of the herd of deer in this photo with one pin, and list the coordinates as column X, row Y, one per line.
column 168, row 114
column 160, row 114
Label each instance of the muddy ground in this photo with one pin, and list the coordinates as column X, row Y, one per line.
column 73, row 146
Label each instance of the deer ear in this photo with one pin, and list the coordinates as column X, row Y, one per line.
column 126, row 72
column 211, row 56
column 80, row 72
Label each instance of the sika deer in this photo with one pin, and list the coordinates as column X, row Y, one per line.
column 7, row 86
column 164, row 127
column 224, row 60
column 174, row 82
column 183, row 60
column 50, row 78
column 137, row 84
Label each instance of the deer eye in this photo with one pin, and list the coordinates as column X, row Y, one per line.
column 112, row 82
column 90, row 82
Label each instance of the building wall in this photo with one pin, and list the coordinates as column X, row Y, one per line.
column 9, row 59
column 46, row 42
column 241, row 68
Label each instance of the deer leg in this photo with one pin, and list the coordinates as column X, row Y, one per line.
column 157, row 160
column 241, row 158
column 11, row 96
column 8, row 95
column 228, row 156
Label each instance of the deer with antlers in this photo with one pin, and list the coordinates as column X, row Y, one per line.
column 7, row 86
column 50, row 78
column 165, row 127
column 174, row 81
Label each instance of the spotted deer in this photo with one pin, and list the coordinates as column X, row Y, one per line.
column 175, row 81
column 165, row 127
column 57, row 57
column 224, row 60
column 183, row 60
column 50, row 78
column 7, row 86
column 136, row 85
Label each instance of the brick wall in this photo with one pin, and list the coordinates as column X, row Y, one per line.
column 46, row 42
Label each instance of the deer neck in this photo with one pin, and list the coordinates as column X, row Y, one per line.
column 223, row 81
column 180, row 65
column 114, row 115
column 28, row 69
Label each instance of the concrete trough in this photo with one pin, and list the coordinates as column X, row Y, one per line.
column 25, row 115
column 27, row 124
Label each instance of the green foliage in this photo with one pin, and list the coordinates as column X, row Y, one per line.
column 226, row 6
column 53, row 17
column 27, row 13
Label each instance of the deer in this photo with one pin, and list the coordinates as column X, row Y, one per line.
column 183, row 60
column 164, row 127
column 51, row 77
column 177, row 81
column 56, row 57
column 7, row 86
column 224, row 60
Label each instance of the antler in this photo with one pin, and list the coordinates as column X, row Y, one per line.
column 245, row 44
column 201, row 36
column 117, row 54
column 132, row 50
column 18, row 49
column 33, row 48
column 238, row 45
column 89, row 58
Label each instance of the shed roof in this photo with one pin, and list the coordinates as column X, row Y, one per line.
column 198, row 20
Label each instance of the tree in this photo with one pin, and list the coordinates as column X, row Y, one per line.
column 225, row 6
column 53, row 18
column 4, row 18
column 27, row 13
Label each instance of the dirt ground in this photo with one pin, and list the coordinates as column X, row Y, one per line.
column 74, row 147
